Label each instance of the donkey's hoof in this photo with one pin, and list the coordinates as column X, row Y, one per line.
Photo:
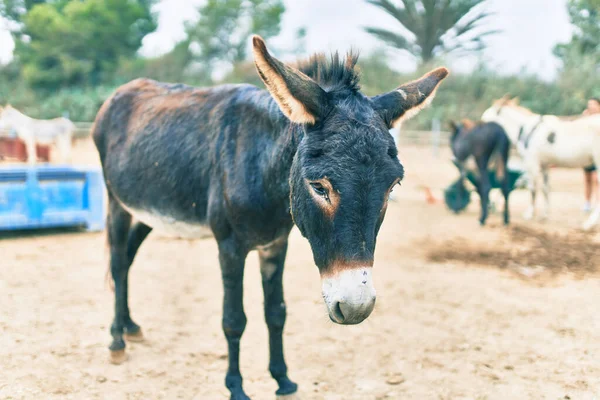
column 135, row 337
column 286, row 388
column 118, row 357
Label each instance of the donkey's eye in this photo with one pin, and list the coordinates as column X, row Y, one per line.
column 319, row 189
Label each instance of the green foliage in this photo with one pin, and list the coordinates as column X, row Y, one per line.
column 70, row 43
column 170, row 67
column 460, row 95
column 437, row 26
column 468, row 95
column 80, row 104
column 221, row 35
column 14, row 10
column 585, row 16
column 579, row 78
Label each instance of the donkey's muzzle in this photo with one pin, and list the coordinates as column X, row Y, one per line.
column 349, row 295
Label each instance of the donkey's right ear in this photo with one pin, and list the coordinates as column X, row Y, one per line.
column 300, row 98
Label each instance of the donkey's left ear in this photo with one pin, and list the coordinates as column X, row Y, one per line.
column 407, row 100
column 299, row 97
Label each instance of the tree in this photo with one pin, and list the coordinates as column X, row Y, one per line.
column 14, row 10
column 62, row 43
column 585, row 16
column 221, row 33
column 434, row 26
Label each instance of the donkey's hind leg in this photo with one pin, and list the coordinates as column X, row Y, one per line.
column 63, row 144
column 118, row 227
column 31, row 150
column 506, row 193
column 546, row 191
column 138, row 232
column 483, row 188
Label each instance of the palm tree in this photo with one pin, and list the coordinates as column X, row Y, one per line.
column 438, row 26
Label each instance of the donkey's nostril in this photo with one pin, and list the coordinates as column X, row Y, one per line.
column 337, row 312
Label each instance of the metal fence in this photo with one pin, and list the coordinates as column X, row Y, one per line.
column 82, row 130
column 433, row 138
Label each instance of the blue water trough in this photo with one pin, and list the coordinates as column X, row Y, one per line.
column 51, row 196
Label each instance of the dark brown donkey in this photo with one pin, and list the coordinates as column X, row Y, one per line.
column 249, row 163
column 483, row 141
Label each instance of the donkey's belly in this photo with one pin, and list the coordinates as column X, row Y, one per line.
column 170, row 226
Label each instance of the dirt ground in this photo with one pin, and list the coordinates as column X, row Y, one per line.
column 463, row 312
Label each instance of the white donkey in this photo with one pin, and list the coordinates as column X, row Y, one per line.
column 546, row 141
column 57, row 131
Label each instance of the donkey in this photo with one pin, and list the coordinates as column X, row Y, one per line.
column 483, row 141
column 249, row 163
column 548, row 140
column 39, row 131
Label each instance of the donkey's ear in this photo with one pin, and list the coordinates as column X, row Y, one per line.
column 407, row 100
column 300, row 98
column 452, row 125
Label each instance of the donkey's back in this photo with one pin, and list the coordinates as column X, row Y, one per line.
column 162, row 148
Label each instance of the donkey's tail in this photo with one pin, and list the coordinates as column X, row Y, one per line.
column 502, row 153
column 108, row 279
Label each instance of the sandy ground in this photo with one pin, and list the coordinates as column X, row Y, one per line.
column 463, row 312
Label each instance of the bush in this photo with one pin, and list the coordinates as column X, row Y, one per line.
column 459, row 96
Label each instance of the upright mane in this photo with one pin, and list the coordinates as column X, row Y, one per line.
column 332, row 74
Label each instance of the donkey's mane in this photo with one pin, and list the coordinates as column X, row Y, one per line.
column 335, row 73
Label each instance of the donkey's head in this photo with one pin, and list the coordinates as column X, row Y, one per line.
column 345, row 167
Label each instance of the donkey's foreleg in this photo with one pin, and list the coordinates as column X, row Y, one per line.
column 232, row 261
column 532, row 184
column 546, row 191
column 272, row 259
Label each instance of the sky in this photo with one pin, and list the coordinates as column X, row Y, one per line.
column 530, row 29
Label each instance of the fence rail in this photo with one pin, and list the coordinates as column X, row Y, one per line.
column 425, row 138
column 434, row 138
column 82, row 129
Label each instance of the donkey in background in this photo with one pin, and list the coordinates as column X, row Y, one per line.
column 32, row 131
column 483, row 141
column 549, row 140
column 249, row 163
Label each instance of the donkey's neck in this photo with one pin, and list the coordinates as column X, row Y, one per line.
column 279, row 158
column 461, row 147
column 15, row 117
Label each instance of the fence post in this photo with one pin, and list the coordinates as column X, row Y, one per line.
column 435, row 139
